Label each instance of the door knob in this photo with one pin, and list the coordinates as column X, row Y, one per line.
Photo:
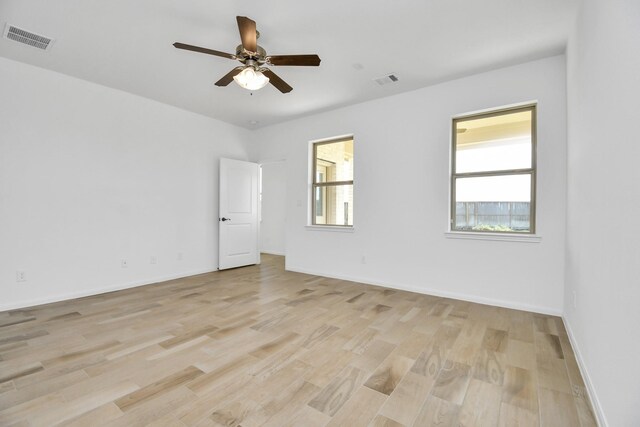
column 225, row 219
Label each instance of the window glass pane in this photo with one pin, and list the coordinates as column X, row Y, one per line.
column 319, row 200
column 333, row 205
column 335, row 160
column 493, row 203
column 494, row 143
column 321, row 172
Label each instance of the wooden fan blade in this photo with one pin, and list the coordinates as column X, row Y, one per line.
column 280, row 84
column 248, row 35
column 228, row 78
column 203, row 50
column 301, row 60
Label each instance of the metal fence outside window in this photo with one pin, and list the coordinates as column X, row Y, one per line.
column 514, row 215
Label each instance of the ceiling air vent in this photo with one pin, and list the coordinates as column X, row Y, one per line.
column 389, row 78
column 26, row 37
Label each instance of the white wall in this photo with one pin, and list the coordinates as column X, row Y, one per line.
column 272, row 226
column 90, row 176
column 603, row 244
column 401, row 201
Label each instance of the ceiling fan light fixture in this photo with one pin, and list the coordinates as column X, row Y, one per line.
column 251, row 75
column 251, row 79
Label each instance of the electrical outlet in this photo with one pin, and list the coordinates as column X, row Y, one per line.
column 575, row 299
column 124, row 263
column 180, row 256
column 363, row 260
column 153, row 259
column 21, row 276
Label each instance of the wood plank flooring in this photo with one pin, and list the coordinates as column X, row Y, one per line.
column 259, row 346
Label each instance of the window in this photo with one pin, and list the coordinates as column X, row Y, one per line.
column 332, row 186
column 494, row 171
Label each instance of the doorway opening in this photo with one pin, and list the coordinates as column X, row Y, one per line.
column 273, row 207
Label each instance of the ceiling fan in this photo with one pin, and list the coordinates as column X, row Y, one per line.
column 252, row 74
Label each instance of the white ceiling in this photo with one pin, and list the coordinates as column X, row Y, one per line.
column 127, row 45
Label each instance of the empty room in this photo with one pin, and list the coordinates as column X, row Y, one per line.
column 288, row 213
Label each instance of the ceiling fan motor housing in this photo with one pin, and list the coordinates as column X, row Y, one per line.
column 260, row 57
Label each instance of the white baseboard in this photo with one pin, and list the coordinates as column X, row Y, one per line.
column 98, row 291
column 436, row 292
column 271, row 252
column 420, row 290
column 591, row 392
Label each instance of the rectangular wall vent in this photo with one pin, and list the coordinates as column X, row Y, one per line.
column 389, row 78
column 26, row 37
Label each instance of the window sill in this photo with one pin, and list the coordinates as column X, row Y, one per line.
column 499, row 237
column 335, row 228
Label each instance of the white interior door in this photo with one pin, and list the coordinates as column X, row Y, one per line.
column 238, row 217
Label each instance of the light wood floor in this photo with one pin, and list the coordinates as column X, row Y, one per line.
column 260, row 346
